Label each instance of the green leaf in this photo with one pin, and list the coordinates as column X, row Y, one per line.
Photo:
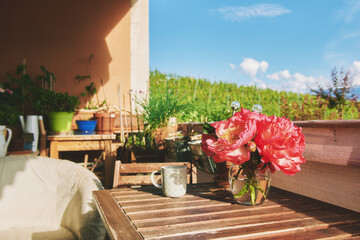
column 244, row 190
column 252, row 194
column 260, row 189
column 208, row 128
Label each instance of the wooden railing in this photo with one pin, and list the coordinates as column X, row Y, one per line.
column 332, row 171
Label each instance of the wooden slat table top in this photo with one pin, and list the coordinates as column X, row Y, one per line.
column 80, row 137
column 209, row 212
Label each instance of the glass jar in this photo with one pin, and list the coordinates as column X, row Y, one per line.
column 249, row 187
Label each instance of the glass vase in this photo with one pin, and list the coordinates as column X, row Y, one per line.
column 249, row 187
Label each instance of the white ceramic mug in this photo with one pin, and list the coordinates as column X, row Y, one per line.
column 173, row 180
column 4, row 143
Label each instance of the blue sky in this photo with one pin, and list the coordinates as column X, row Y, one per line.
column 284, row 45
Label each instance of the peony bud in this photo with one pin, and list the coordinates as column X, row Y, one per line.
column 251, row 146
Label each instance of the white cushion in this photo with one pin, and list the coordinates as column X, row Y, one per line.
column 35, row 232
column 48, row 192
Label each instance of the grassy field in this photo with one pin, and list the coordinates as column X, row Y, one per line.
column 202, row 100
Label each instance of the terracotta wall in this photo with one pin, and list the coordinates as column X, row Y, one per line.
column 63, row 35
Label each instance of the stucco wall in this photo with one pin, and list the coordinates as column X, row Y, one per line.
column 139, row 44
column 62, row 35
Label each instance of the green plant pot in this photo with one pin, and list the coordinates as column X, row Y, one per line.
column 60, row 122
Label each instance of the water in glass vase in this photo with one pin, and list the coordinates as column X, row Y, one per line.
column 249, row 187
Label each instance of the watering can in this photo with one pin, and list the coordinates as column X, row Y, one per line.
column 31, row 126
column 4, row 143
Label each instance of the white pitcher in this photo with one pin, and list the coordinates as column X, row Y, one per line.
column 31, row 126
column 4, row 143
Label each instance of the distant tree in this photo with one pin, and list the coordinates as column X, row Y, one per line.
column 339, row 92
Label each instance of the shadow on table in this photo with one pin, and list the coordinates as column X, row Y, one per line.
column 321, row 216
column 205, row 190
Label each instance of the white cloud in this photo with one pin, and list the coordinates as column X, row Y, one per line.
column 301, row 83
column 279, row 75
column 264, row 66
column 283, row 80
column 251, row 67
column 240, row 13
column 232, row 66
column 351, row 35
column 330, row 54
column 355, row 72
column 297, row 82
column 258, row 83
column 350, row 11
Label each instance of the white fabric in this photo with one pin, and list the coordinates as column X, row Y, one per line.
column 36, row 232
column 45, row 198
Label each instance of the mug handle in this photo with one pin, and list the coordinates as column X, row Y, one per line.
column 153, row 180
column 9, row 137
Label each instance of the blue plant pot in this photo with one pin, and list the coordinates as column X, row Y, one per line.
column 86, row 126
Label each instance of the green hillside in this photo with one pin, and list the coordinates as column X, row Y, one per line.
column 206, row 101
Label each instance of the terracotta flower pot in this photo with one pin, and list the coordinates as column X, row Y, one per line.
column 105, row 122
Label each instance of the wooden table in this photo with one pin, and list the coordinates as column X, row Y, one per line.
column 208, row 212
column 92, row 142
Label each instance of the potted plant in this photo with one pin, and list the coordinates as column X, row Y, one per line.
column 58, row 108
column 155, row 112
column 9, row 111
column 84, row 117
column 28, row 97
column 105, row 120
column 20, row 92
column 86, row 126
column 16, row 101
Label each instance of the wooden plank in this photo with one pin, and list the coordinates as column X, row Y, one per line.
column 116, row 222
column 339, row 232
column 148, row 168
column 192, row 188
column 292, row 224
column 212, row 208
column 140, row 179
column 109, row 162
column 81, row 137
column 337, row 146
column 324, row 182
column 148, row 202
column 54, row 153
column 116, row 173
column 353, row 123
column 80, row 145
column 220, row 216
column 139, row 173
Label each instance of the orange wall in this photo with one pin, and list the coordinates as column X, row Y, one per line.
column 62, row 35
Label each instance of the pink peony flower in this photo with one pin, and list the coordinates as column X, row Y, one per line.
column 281, row 144
column 220, row 153
column 246, row 115
column 256, row 142
column 232, row 135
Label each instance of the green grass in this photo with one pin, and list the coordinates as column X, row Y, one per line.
column 201, row 100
